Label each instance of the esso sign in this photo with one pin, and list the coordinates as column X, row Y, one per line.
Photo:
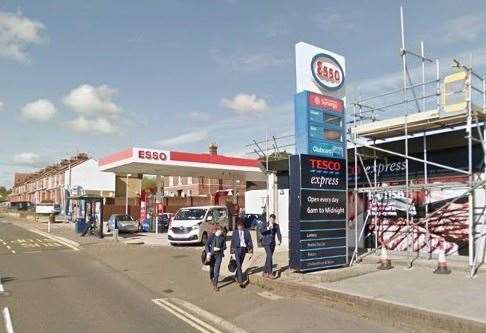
column 327, row 72
column 152, row 155
column 325, row 164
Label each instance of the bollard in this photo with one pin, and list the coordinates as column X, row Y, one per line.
column 385, row 263
column 442, row 264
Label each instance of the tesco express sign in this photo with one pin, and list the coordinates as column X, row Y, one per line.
column 152, row 155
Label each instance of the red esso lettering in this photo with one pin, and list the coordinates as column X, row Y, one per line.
column 151, row 155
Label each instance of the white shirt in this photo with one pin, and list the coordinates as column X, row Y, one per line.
column 242, row 238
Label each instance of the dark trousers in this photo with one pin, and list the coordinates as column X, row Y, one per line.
column 89, row 225
column 214, row 266
column 211, row 268
column 240, row 257
column 269, row 260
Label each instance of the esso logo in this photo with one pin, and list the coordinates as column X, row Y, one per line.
column 325, row 165
column 327, row 72
column 152, row 155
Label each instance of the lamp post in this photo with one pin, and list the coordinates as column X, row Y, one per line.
column 126, row 194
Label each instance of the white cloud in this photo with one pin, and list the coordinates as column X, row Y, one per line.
column 184, row 139
column 246, row 104
column 16, row 33
column 199, row 116
column 465, row 28
column 27, row 158
column 41, row 110
column 249, row 61
column 92, row 100
column 1, row 106
column 98, row 125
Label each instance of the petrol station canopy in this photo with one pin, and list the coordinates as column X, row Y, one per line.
column 184, row 164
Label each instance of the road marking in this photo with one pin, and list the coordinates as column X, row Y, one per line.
column 1, row 285
column 58, row 239
column 269, row 295
column 8, row 247
column 181, row 315
column 7, row 320
column 208, row 316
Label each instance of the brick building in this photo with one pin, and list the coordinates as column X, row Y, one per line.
column 53, row 183
column 45, row 185
column 175, row 186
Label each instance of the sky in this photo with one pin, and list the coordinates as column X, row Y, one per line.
column 99, row 76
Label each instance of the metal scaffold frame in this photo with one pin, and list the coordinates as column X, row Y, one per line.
column 473, row 119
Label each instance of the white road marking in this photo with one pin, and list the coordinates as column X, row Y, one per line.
column 10, row 248
column 7, row 320
column 269, row 295
column 1, row 285
column 208, row 316
column 180, row 315
column 64, row 242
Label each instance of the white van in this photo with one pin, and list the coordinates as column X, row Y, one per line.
column 190, row 225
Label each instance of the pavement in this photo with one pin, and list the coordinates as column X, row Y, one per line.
column 397, row 297
column 114, row 286
column 56, row 289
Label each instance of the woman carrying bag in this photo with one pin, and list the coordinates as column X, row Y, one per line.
column 215, row 247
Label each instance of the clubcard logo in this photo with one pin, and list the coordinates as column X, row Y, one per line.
column 327, row 72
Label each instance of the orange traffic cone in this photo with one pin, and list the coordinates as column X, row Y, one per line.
column 385, row 263
column 442, row 264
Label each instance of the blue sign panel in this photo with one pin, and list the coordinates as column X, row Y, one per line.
column 317, row 216
column 319, row 125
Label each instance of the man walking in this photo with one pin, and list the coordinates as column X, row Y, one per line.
column 241, row 244
column 217, row 246
column 269, row 230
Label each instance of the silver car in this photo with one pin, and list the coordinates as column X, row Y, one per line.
column 125, row 223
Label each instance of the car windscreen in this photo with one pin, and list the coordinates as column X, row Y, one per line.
column 125, row 218
column 190, row 214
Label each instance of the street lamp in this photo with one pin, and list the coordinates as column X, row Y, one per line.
column 126, row 194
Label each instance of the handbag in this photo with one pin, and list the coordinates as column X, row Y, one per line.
column 232, row 265
column 204, row 258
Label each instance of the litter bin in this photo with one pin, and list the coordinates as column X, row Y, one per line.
column 80, row 225
column 147, row 225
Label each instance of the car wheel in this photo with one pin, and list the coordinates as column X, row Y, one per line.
column 204, row 239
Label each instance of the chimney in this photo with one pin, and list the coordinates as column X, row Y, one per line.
column 213, row 149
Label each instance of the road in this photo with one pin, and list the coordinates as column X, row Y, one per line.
column 111, row 287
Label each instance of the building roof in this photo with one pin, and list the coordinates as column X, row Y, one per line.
column 52, row 169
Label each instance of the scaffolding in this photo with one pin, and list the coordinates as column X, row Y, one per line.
column 418, row 110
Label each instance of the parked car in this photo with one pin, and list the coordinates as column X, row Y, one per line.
column 125, row 223
column 190, row 225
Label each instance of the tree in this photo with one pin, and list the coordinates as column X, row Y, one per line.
column 4, row 193
column 148, row 183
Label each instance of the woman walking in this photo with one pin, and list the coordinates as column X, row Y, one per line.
column 270, row 229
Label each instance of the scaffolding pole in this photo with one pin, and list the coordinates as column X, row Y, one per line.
column 472, row 121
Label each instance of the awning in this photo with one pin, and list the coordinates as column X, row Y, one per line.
column 173, row 163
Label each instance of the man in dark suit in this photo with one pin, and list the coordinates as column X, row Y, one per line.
column 241, row 244
column 269, row 231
